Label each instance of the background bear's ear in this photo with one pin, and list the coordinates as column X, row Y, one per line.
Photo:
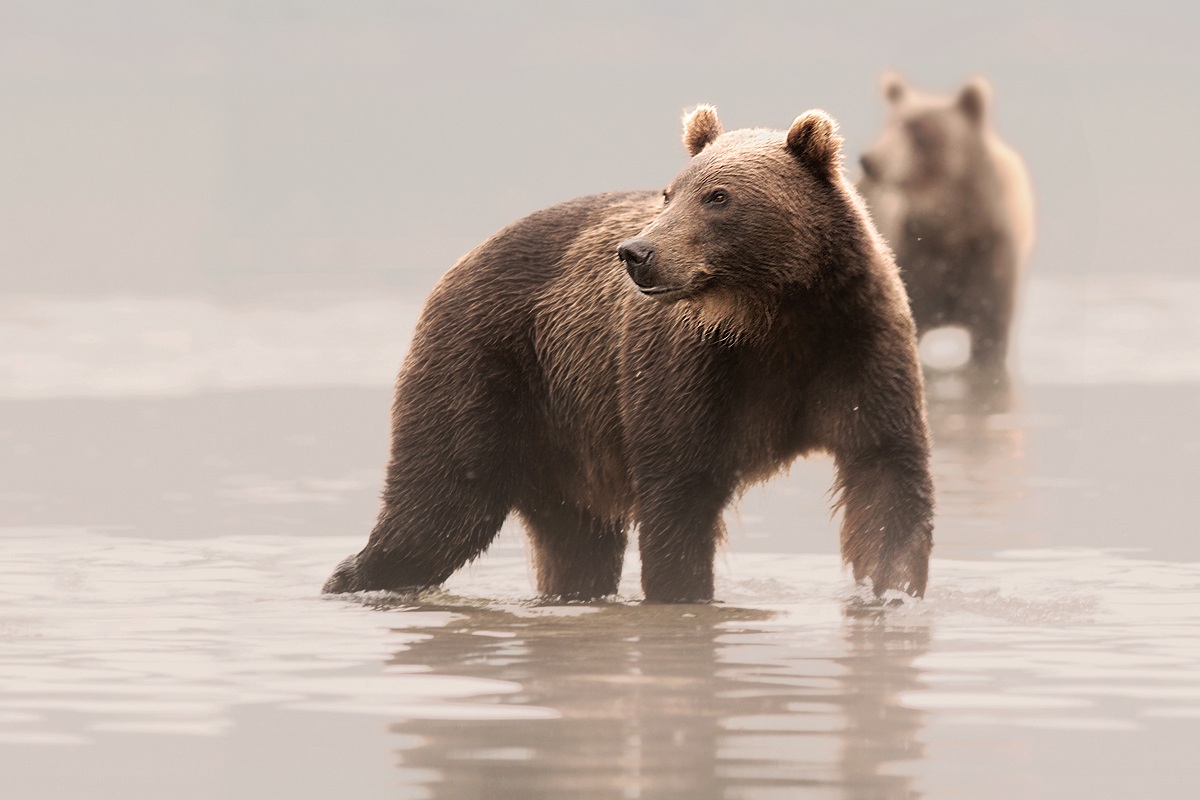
column 974, row 99
column 700, row 127
column 894, row 87
column 814, row 140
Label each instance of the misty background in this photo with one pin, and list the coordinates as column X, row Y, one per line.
column 241, row 149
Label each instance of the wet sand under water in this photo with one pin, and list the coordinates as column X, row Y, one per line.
column 161, row 632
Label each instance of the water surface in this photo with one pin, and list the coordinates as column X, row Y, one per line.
column 167, row 519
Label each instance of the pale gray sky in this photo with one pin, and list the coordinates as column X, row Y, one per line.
column 253, row 147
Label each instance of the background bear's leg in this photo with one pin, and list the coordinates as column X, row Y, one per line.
column 994, row 302
column 989, row 336
column 887, row 530
column 577, row 556
column 678, row 531
column 989, row 347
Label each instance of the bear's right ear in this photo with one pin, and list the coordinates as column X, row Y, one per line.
column 700, row 127
column 813, row 139
column 894, row 87
column 975, row 98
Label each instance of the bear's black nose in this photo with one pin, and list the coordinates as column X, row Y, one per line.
column 868, row 167
column 636, row 253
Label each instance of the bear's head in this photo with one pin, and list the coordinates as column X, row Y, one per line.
column 755, row 215
column 929, row 141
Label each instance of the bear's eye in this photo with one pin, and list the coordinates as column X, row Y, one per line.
column 716, row 197
column 923, row 136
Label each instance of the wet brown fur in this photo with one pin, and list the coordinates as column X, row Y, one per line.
column 541, row 381
column 955, row 203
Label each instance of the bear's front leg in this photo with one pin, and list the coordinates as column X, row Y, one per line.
column 887, row 530
column 677, row 416
column 680, row 526
column 577, row 555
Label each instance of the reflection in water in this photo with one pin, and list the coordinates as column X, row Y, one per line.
column 880, row 656
column 192, row 652
column 980, row 459
column 673, row 701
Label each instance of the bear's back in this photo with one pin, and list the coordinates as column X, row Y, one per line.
column 496, row 292
column 539, row 307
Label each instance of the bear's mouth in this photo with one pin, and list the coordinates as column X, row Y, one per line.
column 696, row 284
column 662, row 292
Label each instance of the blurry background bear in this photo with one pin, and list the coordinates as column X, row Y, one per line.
column 956, row 206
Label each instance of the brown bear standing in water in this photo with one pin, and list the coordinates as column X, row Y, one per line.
column 956, row 206
column 758, row 317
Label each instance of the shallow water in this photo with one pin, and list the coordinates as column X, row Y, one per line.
column 167, row 517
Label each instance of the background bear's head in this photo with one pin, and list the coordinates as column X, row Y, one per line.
column 929, row 141
column 754, row 215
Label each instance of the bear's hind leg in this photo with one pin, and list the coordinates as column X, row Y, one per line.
column 577, row 555
column 450, row 482
column 989, row 343
column 426, row 531
column 990, row 319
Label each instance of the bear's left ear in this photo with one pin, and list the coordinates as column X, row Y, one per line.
column 894, row 87
column 814, row 140
column 700, row 127
column 974, row 99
